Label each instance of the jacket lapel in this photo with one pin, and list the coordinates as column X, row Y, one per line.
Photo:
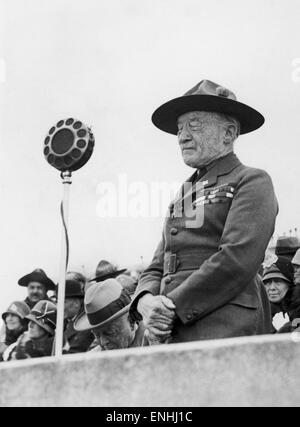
column 218, row 168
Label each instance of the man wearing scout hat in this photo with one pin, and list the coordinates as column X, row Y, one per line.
column 37, row 284
column 106, row 315
column 203, row 282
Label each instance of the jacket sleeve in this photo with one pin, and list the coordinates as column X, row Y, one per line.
column 149, row 280
column 249, row 226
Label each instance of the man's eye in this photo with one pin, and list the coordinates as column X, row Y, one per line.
column 195, row 124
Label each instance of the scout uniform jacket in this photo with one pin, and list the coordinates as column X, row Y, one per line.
column 208, row 265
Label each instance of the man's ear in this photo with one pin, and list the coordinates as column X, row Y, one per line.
column 230, row 134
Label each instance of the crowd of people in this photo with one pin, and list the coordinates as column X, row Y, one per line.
column 96, row 311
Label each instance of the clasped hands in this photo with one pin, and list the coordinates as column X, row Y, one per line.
column 158, row 317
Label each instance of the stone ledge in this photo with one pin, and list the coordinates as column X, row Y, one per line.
column 248, row 371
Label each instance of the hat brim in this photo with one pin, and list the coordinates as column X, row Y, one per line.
column 274, row 275
column 108, row 276
column 166, row 116
column 45, row 327
column 14, row 313
column 36, row 277
column 82, row 322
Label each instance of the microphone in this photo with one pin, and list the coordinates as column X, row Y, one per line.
column 69, row 145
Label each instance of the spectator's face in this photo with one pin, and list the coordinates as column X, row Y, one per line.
column 276, row 289
column 72, row 307
column 36, row 291
column 200, row 137
column 296, row 274
column 35, row 331
column 117, row 334
column 13, row 322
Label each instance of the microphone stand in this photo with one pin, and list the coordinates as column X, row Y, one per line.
column 66, row 181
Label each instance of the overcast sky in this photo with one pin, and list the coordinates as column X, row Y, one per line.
column 111, row 64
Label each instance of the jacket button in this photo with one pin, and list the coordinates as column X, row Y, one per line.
column 174, row 231
column 189, row 316
column 168, row 280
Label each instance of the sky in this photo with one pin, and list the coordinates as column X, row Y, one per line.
column 110, row 64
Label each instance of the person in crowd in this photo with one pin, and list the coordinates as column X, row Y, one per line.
column 296, row 266
column 128, row 282
column 278, row 282
column 15, row 324
column 37, row 284
column 106, row 270
column 106, row 315
column 74, row 341
column 287, row 246
column 38, row 340
column 79, row 277
column 203, row 281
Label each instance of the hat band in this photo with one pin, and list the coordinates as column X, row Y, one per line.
column 111, row 309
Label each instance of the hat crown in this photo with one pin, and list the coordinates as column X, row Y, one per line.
column 98, row 296
column 282, row 267
column 296, row 259
column 74, row 288
column 207, row 87
column 19, row 308
column 105, row 267
column 44, row 310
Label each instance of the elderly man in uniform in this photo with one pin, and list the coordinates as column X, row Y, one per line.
column 202, row 282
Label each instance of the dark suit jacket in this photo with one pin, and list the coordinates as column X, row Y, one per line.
column 208, row 267
column 76, row 342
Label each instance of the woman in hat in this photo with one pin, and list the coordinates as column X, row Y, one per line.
column 38, row 340
column 278, row 282
column 15, row 324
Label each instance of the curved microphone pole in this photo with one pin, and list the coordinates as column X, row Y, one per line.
column 66, row 181
column 68, row 146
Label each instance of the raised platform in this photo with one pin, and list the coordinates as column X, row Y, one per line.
column 256, row 371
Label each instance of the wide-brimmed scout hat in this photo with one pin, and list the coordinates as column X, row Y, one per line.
column 287, row 245
column 103, row 303
column 44, row 315
column 18, row 308
column 106, row 270
column 281, row 269
column 37, row 275
column 211, row 97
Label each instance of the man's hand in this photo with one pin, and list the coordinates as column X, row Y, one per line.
column 158, row 316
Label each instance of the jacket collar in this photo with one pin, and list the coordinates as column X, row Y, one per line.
column 219, row 167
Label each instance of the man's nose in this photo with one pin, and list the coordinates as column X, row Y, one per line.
column 184, row 134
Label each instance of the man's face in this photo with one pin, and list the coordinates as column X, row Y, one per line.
column 116, row 334
column 72, row 307
column 201, row 138
column 296, row 274
column 36, row 291
column 276, row 289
